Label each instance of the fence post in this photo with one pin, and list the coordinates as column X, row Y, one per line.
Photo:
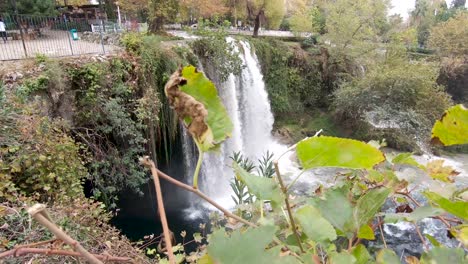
column 69, row 39
column 102, row 38
column 21, row 30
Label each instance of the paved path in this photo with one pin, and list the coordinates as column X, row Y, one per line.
column 265, row 33
column 53, row 43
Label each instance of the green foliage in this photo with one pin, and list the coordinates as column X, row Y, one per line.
column 417, row 215
column 250, row 247
column 132, row 42
column 441, row 255
column 309, row 19
column 242, row 194
column 41, row 58
column 386, row 256
column 301, row 86
column 106, row 98
column 314, row 225
column 337, row 152
column 352, row 36
column 265, row 166
column 457, row 208
column 450, row 38
column 453, row 127
column 34, row 7
column 161, row 12
column 405, row 101
column 213, row 49
column 263, row 188
column 45, row 162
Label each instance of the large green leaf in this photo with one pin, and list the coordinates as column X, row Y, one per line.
column 442, row 255
column 369, row 204
column 263, row 188
column 361, row 254
column 245, row 247
column 406, row 158
column 452, row 129
column 337, row 152
column 314, row 225
column 366, row 232
column 197, row 103
column 457, row 208
column 387, row 256
column 342, row 258
column 336, row 208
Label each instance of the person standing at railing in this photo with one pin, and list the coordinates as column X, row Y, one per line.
column 3, row 33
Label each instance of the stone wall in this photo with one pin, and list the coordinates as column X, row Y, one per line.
column 95, row 37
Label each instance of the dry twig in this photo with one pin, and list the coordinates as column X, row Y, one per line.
column 16, row 252
column 201, row 195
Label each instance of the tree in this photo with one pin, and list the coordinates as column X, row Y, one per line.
column 270, row 12
column 34, row 7
column 450, row 38
column 308, row 17
column 426, row 14
column 160, row 12
column 353, row 26
column 194, row 9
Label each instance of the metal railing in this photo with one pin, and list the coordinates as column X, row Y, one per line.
column 28, row 36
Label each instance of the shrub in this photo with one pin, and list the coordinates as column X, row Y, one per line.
column 43, row 162
column 397, row 93
column 214, row 48
column 300, row 86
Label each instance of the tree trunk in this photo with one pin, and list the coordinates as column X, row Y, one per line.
column 257, row 23
column 156, row 25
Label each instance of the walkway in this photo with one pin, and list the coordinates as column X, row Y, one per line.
column 52, row 43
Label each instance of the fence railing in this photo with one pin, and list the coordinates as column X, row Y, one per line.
column 28, row 36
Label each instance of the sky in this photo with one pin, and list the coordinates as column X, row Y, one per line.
column 402, row 7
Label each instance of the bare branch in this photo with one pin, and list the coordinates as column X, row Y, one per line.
column 203, row 196
column 38, row 212
column 162, row 212
column 45, row 251
column 288, row 206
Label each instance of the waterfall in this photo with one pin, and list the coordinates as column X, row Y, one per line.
column 246, row 101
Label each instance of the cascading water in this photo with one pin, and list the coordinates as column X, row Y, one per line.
column 246, row 101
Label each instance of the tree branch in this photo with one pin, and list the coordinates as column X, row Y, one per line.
column 201, row 195
column 162, row 212
column 16, row 252
column 38, row 212
column 288, row 206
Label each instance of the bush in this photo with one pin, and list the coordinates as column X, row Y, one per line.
column 132, row 42
column 396, row 94
column 43, row 162
column 214, row 48
column 300, row 86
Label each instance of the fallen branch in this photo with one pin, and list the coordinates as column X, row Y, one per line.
column 201, row 195
column 162, row 212
column 16, row 252
column 38, row 212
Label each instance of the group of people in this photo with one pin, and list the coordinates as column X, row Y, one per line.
column 3, row 33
